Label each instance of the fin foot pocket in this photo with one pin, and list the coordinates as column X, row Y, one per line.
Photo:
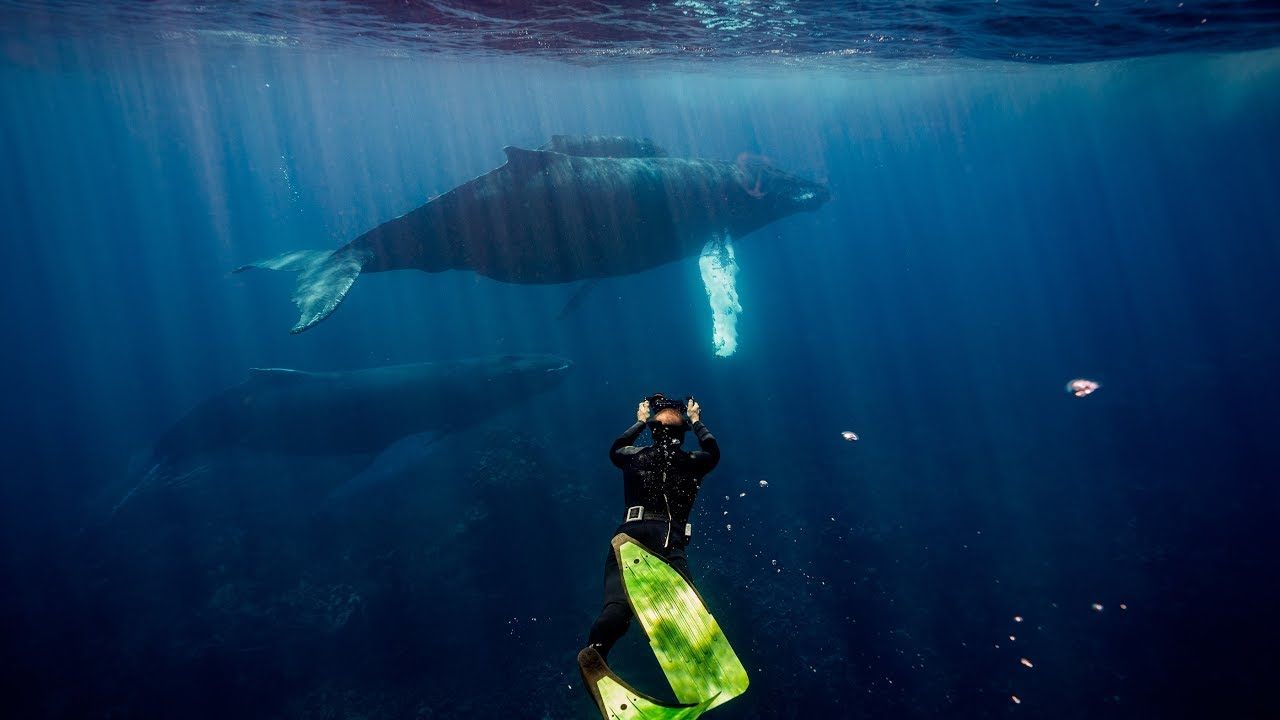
column 617, row 700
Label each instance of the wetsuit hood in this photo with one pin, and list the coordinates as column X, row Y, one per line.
column 667, row 436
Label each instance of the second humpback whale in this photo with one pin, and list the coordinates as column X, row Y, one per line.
column 346, row 413
column 579, row 208
column 292, row 412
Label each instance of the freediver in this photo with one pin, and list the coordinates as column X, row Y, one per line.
column 660, row 482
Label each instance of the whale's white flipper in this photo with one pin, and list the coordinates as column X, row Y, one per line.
column 720, row 277
column 324, row 277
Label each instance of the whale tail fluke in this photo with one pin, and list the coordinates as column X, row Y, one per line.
column 324, row 278
column 163, row 474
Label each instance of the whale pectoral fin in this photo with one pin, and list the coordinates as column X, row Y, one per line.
column 394, row 461
column 720, row 278
column 577, row 297
column 324, row 278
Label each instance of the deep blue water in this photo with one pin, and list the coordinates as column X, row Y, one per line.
column 996, row 229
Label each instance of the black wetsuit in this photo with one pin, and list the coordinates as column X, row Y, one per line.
column 664, row 480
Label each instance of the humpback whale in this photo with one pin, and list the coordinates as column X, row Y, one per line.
column 352, row 413
column 579, row 208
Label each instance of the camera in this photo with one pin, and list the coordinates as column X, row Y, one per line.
column 658, row 401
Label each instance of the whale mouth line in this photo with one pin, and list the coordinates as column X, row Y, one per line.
column 565, row 366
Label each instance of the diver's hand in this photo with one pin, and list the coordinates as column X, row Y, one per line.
column 694, row 411
column 642, row 411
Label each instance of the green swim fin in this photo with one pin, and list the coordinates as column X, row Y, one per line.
column 619, row 701
column 694, row 654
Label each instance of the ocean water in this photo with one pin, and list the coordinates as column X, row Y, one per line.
column 1021, row 194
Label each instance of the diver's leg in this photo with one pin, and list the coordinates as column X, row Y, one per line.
column 615, row 617
column 676, row 559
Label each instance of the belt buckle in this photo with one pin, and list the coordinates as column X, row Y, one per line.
column 635, row 512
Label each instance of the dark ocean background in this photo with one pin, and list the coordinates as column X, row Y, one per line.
column 1017, row 201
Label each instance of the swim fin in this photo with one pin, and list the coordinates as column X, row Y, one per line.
column 694, row 654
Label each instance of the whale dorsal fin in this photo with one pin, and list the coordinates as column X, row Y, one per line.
column 604, row 146
column 277, row 375
column 529, row 161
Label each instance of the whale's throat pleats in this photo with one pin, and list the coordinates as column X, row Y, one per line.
column 720, row 277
